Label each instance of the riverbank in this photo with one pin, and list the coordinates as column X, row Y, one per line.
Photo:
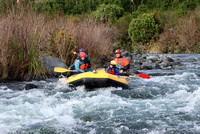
column 28, row 31
column 151, row 64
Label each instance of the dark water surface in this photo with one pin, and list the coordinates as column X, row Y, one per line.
column 169, row 104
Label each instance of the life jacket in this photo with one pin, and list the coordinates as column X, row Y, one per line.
column 75, row 60
column 111, row 71
column 121, row 62
column 83, row 67
column 88, row 65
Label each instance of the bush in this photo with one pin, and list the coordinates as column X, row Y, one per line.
column 24, row 38
column 197, row 50
column 187, row 32
column 79, row 6
column 109, row 13
column 96, row 39
column 143, row 28
column 62, row 45
column 122, row 26
column 142, row 8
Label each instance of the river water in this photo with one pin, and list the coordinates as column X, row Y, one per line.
column 169, row 103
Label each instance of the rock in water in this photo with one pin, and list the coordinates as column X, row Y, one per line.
column 51, row 62
column 30, row 86
column 133, row 71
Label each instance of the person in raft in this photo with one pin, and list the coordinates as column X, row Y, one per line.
column 122, row 63
column 87, row 60
column 112, row 69
column 81, row 64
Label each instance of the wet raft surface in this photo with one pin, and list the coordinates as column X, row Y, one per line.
column 162, row 104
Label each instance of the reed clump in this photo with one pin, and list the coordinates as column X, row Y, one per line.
column 25, row 37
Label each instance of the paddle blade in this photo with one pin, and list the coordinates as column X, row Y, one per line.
column 144, row 76
column 60, row 69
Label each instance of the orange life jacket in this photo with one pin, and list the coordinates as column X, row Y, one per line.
column 121, row 62
column 83, row 66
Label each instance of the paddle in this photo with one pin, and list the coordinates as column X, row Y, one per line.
column 135, row 72
column 62, row 70
column 144, row 76
column 130, row 77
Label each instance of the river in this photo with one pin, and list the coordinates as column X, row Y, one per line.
column 164, row 104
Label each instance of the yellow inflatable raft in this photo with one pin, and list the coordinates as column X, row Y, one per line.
column 97, row 79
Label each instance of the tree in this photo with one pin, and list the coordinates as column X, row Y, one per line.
column 143, row 28
column 109, row 13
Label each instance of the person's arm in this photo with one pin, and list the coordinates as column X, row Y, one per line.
column 73, row 65
column 107, row 70
column 126, row 67
column 77, row 66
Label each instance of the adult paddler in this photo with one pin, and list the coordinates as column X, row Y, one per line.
column 81, row 64
column 87, row 60
column 123, row 64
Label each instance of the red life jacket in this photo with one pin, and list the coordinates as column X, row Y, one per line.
column 111, row 71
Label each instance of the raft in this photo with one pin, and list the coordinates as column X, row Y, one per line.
column 97, row 79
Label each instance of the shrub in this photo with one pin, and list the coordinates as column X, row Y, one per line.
column 143, row 28
column 79, row 6
column 62, row 45
column 20, row 39
column 166, row 18
column 142, row 8
column 197, row 50
column 182, row 9
column 24, row 37
column 121, row 27
column 183, row 37
column 109, row 13
column 96, row 39
column 6, row 5
column 187, row 32
column 122, row 24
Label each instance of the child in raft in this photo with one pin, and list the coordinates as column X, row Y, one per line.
column 112, row 69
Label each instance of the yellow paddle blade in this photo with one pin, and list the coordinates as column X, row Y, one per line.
column 61, row 70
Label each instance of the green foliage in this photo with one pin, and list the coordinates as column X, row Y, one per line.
column 182, row 9
column 62, row 45
column 166, row 18
column 11, row 6
column 6, row 5
column 143, row 28
column 127, row 5
column 110, row 13
column 79, row 7
column 197, row 50
column 35, row 66
column 142, row 8
column 122, row 26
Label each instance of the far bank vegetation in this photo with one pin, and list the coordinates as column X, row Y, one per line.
column 36, row 28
